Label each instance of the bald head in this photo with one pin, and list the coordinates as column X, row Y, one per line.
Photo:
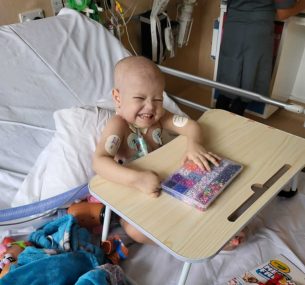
column 136, row 67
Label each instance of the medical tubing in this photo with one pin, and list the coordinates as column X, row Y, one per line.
column 142, row 144
column 44, row 205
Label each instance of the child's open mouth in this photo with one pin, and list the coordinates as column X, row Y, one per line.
column 146, row 116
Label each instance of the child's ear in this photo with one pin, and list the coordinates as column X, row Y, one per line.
column 116, row 97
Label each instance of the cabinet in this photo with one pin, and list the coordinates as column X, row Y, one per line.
column 288, row 81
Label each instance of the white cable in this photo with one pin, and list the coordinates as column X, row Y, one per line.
column 113, row 16
column 127, row 34
column 154, row 41
column 132, row 13
column 160, row 40
column 168, row 36
column 155, row 27
column 133, row 7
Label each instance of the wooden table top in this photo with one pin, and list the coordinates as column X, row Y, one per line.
column 185, row 232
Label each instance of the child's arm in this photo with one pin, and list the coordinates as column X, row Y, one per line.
column 192, row 130
column 105, row 165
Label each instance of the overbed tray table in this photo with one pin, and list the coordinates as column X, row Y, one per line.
column 271, row 158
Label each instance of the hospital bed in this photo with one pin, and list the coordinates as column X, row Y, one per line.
column 56, row 80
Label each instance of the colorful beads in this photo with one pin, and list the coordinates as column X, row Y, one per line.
column 197, row 187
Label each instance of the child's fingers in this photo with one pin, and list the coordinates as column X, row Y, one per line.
column 211, row 158
column 154, row 194
column 215, row 155
column 156, row 191
column 202, row 162
column 203, row 159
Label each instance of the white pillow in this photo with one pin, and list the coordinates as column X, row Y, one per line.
column 67, row 160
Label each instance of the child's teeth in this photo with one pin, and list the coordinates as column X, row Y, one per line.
column 145, row 116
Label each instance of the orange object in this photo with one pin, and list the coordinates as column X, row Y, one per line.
column 88, row 215
column 115, row 249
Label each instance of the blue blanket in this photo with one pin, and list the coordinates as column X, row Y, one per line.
column 63, row 255
column 42, row 267
column 64, row 234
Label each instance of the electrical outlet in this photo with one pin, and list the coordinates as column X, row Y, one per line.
column 31, row 15
column 57, row 5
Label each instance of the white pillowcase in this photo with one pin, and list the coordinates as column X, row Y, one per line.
column 66, row 162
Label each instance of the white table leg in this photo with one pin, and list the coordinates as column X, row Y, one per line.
column 106, row 224
column 185, row 271
column 294, row 183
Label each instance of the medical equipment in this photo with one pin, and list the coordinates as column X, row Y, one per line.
column 89, row 7
column 115, row 21
column 158, row 7
column 185, row 20
column 165, row 36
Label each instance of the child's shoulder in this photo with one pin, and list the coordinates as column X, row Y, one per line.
column 118, row 119
column 117, row 122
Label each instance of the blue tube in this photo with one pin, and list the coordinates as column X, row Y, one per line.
column 42, row 206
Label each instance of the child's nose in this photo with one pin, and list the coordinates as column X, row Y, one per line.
column 150, row 105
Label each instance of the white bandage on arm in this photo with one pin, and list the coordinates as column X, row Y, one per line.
column 179, row 121
column 112, row 144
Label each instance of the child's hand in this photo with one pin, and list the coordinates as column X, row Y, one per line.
column 198, row 154
column 149, row 183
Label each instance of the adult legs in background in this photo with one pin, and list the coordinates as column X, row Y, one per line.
column 230, row 66
column 257, row 61
column 223, row 102
column 238, row 106
column 245, row 59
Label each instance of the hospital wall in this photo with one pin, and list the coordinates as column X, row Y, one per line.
column 10, row 9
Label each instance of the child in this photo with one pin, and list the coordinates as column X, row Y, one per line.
column 136, row 130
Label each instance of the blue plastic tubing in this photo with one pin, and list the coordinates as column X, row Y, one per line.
column 42, row 206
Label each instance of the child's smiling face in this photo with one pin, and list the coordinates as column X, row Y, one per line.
column 139, row 96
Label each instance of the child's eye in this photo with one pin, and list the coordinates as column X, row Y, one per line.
column 138, row 98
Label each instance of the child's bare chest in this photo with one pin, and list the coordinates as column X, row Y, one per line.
column 138, row 143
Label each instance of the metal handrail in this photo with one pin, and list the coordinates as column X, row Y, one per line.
column 234, row 90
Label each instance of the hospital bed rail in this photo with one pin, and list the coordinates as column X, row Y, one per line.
column 227, row 88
